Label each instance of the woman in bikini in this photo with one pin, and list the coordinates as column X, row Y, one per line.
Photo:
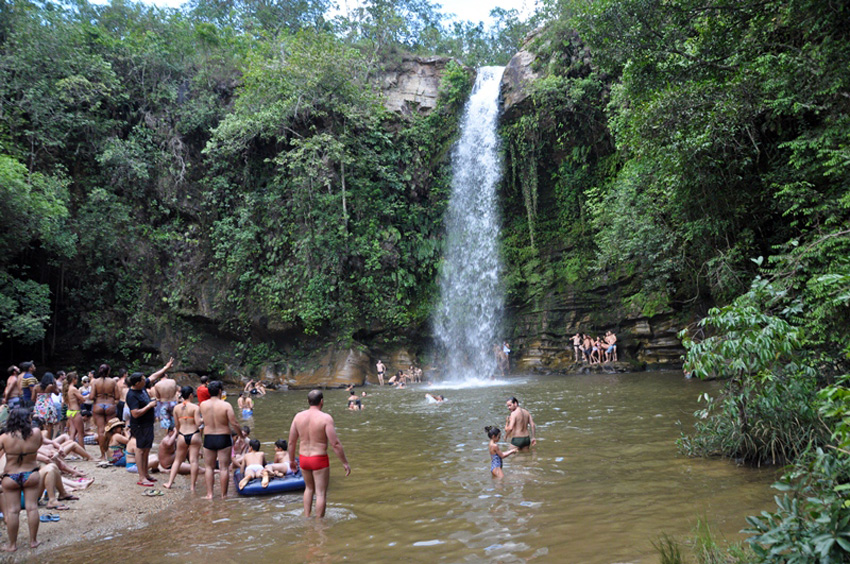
column 105, row 393
column 117, row 440
column 73, row 398
column 20, row 442
column 187, row 420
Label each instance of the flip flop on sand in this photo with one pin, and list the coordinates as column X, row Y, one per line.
column 48, row 518
column 68, row 497
column 103, row 464
column 144, row 484
column 152, row 493
column 60, row 507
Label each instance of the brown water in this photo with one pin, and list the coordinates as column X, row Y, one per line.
column 604, row 481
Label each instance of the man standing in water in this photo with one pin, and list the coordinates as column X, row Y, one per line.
column 518, row 425
column 219, row 420
column 316, row 431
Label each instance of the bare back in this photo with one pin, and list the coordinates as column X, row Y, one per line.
column 187, row 417
column 314, row 430
column 165, row 389
column 218, row 416
column 519, row 422
column 105, row 390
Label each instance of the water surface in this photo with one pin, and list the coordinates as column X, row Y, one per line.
column 604, row 481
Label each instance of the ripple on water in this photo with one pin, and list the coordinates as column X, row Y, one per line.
column 433, row 542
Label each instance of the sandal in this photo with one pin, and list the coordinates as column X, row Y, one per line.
column 49, row 518
column 103, row 464
column 60, row 507
column 152, row 493
column 145, row 484
column 68, row 497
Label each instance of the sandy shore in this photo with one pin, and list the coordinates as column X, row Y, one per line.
column 112, row 503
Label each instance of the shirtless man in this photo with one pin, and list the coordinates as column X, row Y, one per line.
column 518, row 426
column 316, row 431
column 165, row 392
column 381, row 369
column 611, row 350
column 219, row 421
column 12, row 394
column 577, row 346
column 587, row 348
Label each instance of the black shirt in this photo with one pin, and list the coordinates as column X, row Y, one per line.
column 137, row 399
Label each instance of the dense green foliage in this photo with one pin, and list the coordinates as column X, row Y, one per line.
column 558, row 148
column 695, row 138
column 230, row 161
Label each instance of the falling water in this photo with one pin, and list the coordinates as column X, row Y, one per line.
column 468, row 319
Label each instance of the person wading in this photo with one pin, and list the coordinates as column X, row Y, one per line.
column 316, row 431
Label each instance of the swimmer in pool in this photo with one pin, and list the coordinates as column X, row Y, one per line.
column 254, row 465
column 496, row 454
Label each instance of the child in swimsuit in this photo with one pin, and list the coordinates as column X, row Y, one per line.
column 281, row 465
column 254, row 465
column 496, row 455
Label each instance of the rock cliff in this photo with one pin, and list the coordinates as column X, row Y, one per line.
column 542, row 328
column 413, row 84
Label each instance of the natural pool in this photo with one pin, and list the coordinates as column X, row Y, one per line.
column 604, row 481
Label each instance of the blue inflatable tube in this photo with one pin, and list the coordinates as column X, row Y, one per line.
column 289, row 483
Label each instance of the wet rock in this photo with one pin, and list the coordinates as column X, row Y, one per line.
column 336, row 368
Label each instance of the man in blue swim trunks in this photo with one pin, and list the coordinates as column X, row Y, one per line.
column 520, row 426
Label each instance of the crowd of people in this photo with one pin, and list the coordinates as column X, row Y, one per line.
column 42, row 431
column 47, row 422
column 599, row 350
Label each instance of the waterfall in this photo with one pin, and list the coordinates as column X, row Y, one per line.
column 468, row 318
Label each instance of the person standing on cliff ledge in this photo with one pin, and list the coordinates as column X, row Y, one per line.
column 381, row 369
column 316, row 431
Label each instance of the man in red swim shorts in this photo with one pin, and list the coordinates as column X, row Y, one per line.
column 316, row 431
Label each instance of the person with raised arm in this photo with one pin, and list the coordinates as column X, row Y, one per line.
column 142, row 419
